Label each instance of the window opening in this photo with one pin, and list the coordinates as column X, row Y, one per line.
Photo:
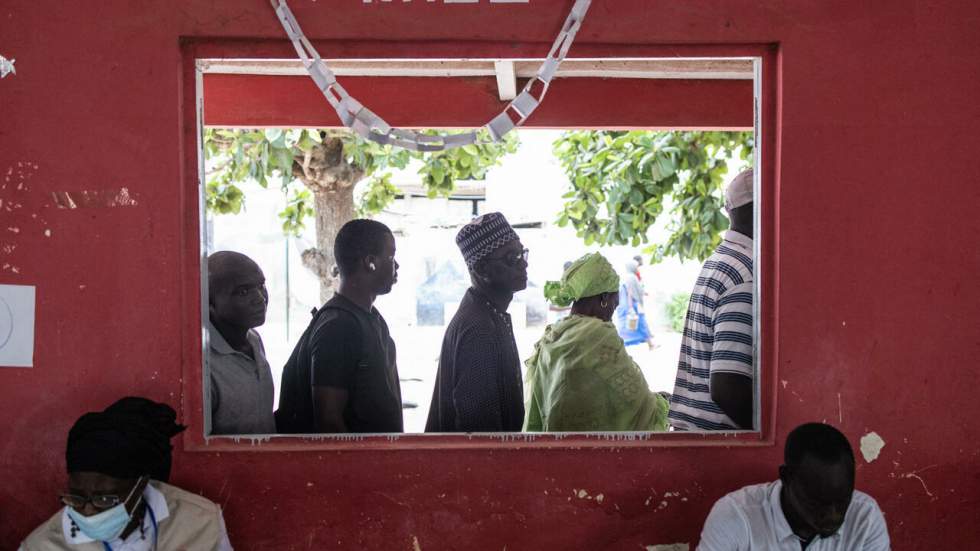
column 269, row 215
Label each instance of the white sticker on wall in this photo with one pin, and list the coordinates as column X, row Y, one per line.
column 16, row 325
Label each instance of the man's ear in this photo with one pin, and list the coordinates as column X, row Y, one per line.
column 480, row 269
column 370, row 263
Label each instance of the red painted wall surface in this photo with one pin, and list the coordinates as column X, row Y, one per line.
column 873, row 271
column 254, row 100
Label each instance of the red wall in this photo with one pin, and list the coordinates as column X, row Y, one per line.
column 872, row 268
column 253, row 100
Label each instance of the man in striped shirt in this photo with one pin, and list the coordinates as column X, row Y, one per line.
column 715, row 373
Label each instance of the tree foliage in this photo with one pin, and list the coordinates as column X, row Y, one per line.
column 621, row 182
column 331, row 159
column 676, row 310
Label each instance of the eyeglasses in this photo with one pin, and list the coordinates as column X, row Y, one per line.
column 99, row 501
column 106, row 501
column 513, row 258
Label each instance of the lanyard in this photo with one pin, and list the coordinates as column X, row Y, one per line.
column 156, row 531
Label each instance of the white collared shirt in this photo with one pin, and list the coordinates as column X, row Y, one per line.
column 138, row 540
column 752, row 518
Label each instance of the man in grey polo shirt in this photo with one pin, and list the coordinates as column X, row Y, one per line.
column 241, row 388
column 813, row 506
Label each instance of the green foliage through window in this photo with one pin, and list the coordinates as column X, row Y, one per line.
column 621, row 181
column 329, row 160
column 676, row 310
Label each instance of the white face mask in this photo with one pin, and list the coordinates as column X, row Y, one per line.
column 109, row 524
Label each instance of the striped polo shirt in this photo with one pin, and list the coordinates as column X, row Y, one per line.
column 717, row 335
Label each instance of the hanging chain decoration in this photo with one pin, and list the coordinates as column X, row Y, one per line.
column 370, row 126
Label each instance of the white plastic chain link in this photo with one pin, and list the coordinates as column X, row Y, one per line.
column 367, row 124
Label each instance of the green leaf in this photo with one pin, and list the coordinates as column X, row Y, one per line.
column 437, row 173
column 632, row 173
column 636, row 197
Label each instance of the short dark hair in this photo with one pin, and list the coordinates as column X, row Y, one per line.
column 817, row 440
column 357, row 239
column 222, row 265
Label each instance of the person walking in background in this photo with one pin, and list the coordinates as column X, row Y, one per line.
column 478, row 385
column 580, row 377
column 631, row 319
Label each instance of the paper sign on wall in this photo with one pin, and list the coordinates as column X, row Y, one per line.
column 16, row 325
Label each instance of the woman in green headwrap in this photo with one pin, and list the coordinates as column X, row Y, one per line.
column 580, row 377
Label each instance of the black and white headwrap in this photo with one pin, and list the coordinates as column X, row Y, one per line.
column 483, row 235
column 129, row 439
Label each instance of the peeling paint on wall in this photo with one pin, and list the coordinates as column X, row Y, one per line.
column 120, row 197
column 15, row 187
column 871, row 445
column 919, row 478
column 915, row 474
column 7, row 67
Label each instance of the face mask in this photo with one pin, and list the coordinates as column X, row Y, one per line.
column 107, row 525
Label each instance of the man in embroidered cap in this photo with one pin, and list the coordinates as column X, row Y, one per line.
column 478, row 386
column 715, row 374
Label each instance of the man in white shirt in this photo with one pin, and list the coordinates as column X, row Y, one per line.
column 813, row 506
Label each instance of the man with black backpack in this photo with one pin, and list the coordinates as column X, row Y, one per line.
column 342, row 375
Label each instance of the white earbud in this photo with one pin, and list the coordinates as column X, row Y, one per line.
column 371, row 266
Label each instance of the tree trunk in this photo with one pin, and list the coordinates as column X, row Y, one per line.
column 327, row 174
column 333, row 209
